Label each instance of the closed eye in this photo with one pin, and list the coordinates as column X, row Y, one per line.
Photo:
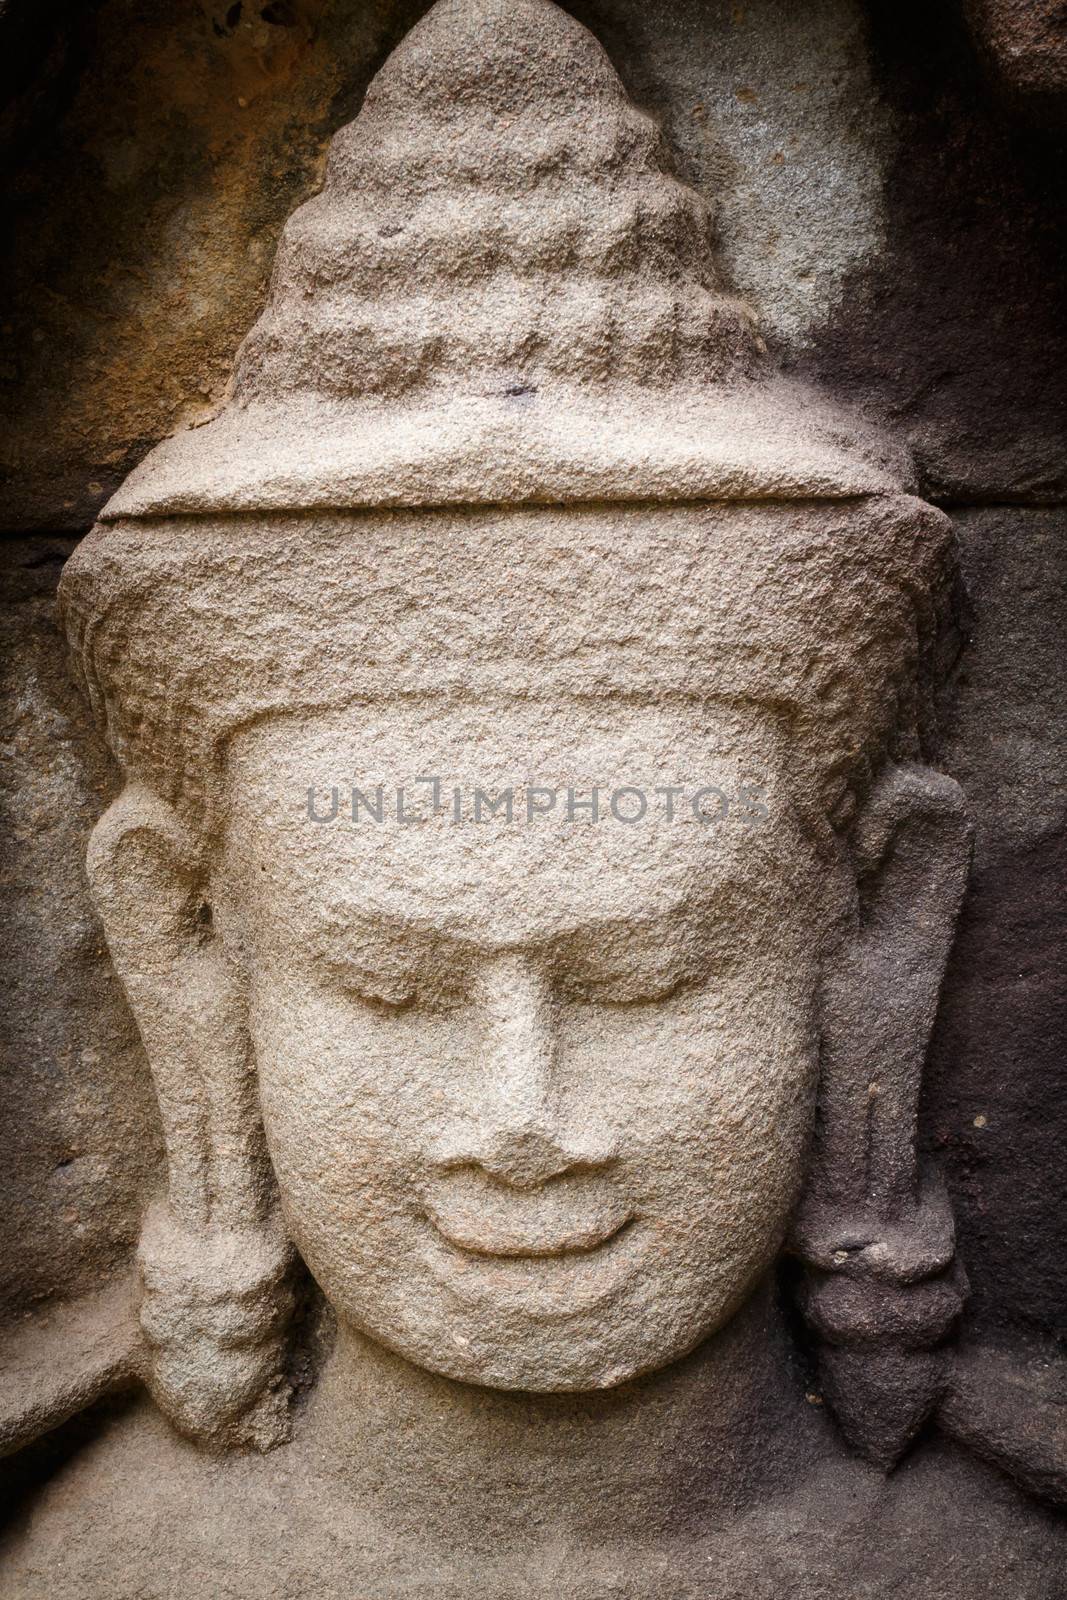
column 390, row 995
column 388, row 1002
column 627, row 966
column 635, row 989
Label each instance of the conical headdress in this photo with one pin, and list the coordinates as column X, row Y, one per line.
column 500, row 295
column 501, row 298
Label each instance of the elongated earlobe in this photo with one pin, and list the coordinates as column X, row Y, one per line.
column 214, row 1260
column 875, row 1230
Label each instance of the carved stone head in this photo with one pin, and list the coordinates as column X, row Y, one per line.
column 607, row 660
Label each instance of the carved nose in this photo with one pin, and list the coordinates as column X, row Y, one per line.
column 520, row 1139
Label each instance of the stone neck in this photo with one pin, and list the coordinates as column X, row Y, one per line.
column 669, row 1456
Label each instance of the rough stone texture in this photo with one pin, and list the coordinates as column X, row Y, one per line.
column 1026, row 41
column 80, row 1142
column 501, row 293
column 125, row 304
column 885, row 222
column 806, row 1524
column 955, row 334
column 773, row 114
column 649, row 1254
column 995, row 1110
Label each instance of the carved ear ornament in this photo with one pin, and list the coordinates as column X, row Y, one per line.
column 875, row 1230
column 214, row 1261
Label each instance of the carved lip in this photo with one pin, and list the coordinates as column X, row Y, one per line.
column 543, row 1264
column 507, row 1226
column 515, row 1243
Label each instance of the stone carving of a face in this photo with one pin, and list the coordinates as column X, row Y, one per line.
column 513, row 502
column 537, row 1092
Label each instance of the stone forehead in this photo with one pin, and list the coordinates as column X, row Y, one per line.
column 429, row 883
column 508, row 784
column 507, row 737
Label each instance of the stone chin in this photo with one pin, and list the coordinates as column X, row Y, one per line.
column 644, row 1319
column 587, row 1321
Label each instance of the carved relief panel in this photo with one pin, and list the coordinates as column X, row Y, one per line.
column 533, row 883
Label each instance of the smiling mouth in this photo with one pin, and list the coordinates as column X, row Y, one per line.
column 535, row 1260
column 510, row 1245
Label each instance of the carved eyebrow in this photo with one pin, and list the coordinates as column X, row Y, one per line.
column 372, row 927
column 391, row 969
column 365, row 931
column 672, row 947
